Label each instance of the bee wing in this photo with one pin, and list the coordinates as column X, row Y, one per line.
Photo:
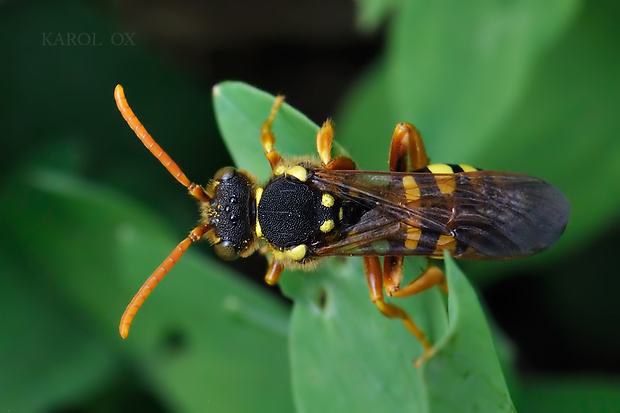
column 374, row 234
column 478, row 215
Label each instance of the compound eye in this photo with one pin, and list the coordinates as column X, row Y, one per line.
column 225, row 173
column 226, row 251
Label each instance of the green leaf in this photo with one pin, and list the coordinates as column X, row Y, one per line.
column 240, row 112
column 370, row 13
column 202, row 337
column 46, row 357
column 344, row 354
column 467, row 66
column 570, row 395
column 466, row 363
column 455, row 72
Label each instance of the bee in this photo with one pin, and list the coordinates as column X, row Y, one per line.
column 311, row 209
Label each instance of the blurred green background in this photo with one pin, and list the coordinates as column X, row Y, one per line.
column 87, row 213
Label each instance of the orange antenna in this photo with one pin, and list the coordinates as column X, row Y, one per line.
column 156, row 277
column 195, row 190
column 134, row 123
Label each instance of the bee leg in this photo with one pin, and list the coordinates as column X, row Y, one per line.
column 443, row 283
column 431, row 277
column 375, row 285
column 406, row 152
column 407, row 146
column 406, row 140
column 392, row 273
column 273, row 272
column 268, row 138
column 324, row 140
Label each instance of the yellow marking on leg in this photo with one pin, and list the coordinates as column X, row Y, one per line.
column 298, row 172
column 327, row 200
column 413, row 236
column 412, row 192
column 296, row 253
column 259, row 230
column 327, row 226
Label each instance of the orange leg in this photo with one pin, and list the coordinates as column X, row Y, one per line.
column 431, row 277
column 273, row 272
column 157, row 276
column 268, row 138
column 324, row 140
column 393, row 266
column 392, row 273
column 375, row 285
column 406, row 144
column 407, row 153
column 407, row 140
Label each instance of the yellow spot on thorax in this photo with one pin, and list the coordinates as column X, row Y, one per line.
column 279, row 170
column 327, row 200
column 296, row 253
column 327, row 226
column 298, row 172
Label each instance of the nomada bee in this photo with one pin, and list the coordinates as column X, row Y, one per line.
column 308, row 210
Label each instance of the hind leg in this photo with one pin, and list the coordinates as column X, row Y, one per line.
column 407, row 153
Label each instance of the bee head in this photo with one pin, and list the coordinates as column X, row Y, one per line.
column 232, row 213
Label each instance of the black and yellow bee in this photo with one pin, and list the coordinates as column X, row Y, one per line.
column 313, row 209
